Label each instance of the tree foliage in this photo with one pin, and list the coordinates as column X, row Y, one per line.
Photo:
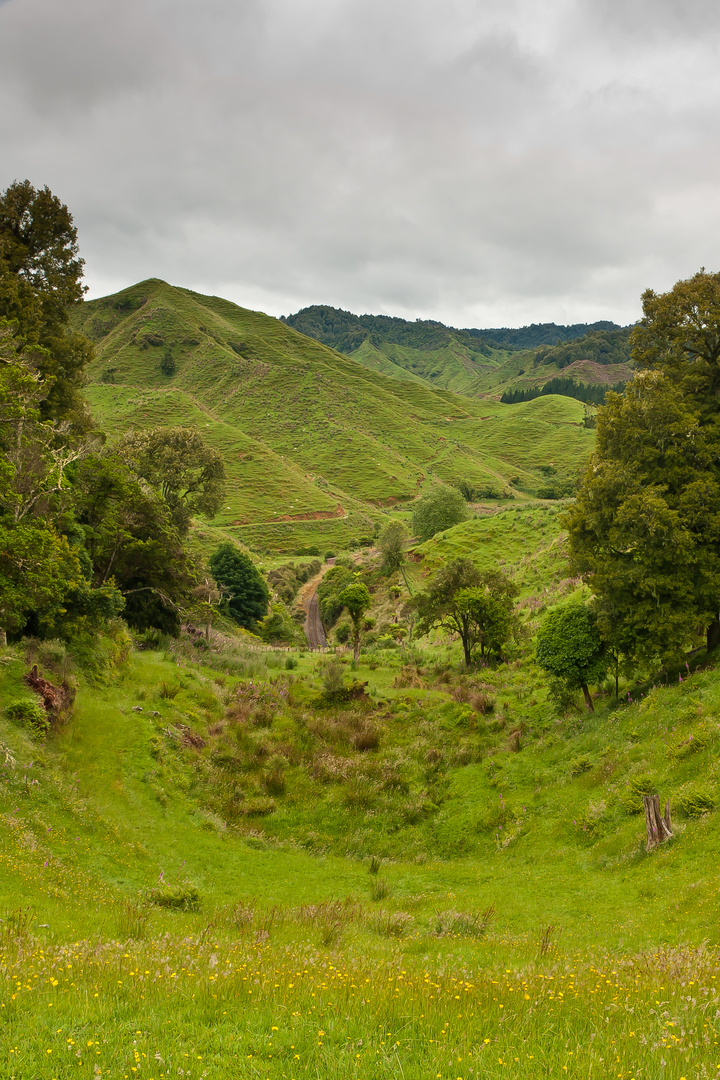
column 329, row 589
column 247, row 594
column 131, row 540
column 570, row 649
column 645, row 530
column 40, row 280
column 476, row 605
column 356, row 600
column 440, row 509
column 186, row 473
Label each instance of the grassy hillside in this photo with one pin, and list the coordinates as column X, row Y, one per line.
column 316, row 445
column 214, row 867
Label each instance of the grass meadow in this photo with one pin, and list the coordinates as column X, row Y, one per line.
column 442, row 904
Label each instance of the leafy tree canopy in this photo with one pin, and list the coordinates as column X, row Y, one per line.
column 392, row 543
column 477, row 605
column 440, row 509
column 176, row 461
column 131, row 541
column 356, row 600
column 329, row 589
column 245, row 588
column 644, row 532
column 570, row 649
column 40, row 279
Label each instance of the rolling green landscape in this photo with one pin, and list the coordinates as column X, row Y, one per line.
column 475, row 363
column 316, row 446
column 425, row 847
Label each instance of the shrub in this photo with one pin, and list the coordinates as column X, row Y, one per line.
column 333, row 678
column 182, row 897
column 167, row 364
column 581, row 764
column 638, row 785
column 30, row 713
column 695, row 799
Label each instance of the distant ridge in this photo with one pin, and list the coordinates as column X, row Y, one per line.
column 530, row 337
column 345, row 331
column 473, row 362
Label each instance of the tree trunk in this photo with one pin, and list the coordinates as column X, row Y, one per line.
column 657, row 826
column 712, row 635
column 356, row 645
column 3, row 638
column 466, row 651
column 588, row 700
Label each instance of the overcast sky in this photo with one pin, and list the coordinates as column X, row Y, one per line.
column 482, row 162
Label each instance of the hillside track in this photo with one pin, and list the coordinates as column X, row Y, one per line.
column 308, row 600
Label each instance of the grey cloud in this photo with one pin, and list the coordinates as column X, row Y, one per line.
column 472, row 161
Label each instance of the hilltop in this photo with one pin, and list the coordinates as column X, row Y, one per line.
column 317, row 447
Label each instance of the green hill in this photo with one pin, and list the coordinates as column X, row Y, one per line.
column 316, row 445
column 476, row 363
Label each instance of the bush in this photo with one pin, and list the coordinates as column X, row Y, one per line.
column 183, row 897
column 30, row 713
column 279, row 628
column 440, row 509
column 695, row 799
column 167, row 364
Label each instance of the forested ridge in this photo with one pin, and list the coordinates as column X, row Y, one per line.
column 345, row 331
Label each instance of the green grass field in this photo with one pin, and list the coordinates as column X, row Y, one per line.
column 186, row 869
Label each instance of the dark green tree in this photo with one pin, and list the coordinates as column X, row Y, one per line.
column 645, row 530
column 356, row 600
column 570, row 649
column 476, row 605
column 247, row 594
column 40, row 282
column 440, row 509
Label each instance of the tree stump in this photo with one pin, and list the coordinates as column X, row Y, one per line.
column 659, row 827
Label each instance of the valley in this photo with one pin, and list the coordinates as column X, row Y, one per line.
column 234, row 850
